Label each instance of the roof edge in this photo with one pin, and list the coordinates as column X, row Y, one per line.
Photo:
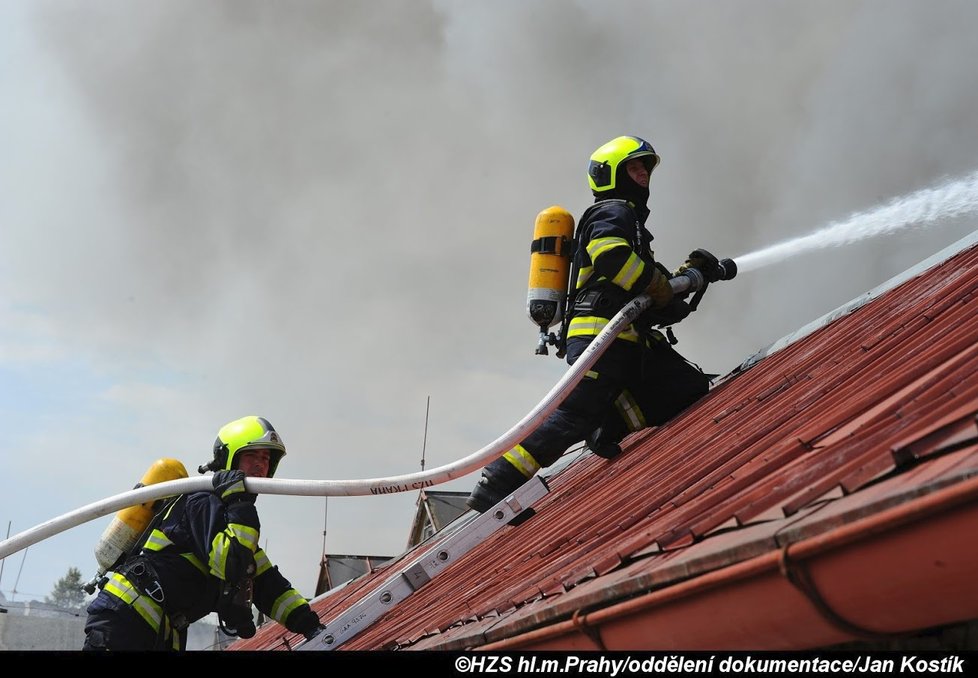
column 826, row 520
column 762, row 593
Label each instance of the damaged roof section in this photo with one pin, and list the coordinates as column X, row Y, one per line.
column 826, row 491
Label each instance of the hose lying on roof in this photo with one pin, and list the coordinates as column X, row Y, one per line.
column 690, row 280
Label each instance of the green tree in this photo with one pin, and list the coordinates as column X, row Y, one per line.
column 68, row 592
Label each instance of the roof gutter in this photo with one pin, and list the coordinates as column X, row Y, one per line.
column 892, row 574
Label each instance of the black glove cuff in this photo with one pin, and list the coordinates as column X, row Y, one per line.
column 315, row 631
column 303, row 621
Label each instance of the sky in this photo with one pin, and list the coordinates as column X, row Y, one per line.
column 320, row 213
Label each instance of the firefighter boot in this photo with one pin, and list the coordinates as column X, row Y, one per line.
column 499, row 479
column 604, row 443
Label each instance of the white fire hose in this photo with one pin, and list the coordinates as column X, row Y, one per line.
column 691, row 280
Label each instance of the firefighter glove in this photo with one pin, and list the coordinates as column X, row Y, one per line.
column 305, row 621
column 673, row 312
column 705, row 263
column 235, row 614
column 230, row 487
column 659, row 289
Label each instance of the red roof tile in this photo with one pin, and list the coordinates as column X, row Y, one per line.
column 835, row 448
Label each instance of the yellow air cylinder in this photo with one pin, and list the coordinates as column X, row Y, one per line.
column 550, row 259
column 130, row 522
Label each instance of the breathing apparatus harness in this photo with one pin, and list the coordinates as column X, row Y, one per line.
column 160, row 509
column 234, row 604
column 140, row 572
column 607, row 299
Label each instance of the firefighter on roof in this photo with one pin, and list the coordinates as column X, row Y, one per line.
column 203, row 557
column 640, row 380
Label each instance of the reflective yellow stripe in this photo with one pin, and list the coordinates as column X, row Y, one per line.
column 590, row 374
column 121, row 588
column 246, row 536
column 591, row 326
column 218, row 557
column 262, row 562
column 630, row 272
column 236, row 487
column 630, row 411
column 599, row 246
column 584, row 276
column 145, row 607
column 285, row 603
column 522, row 460
column 157, row 541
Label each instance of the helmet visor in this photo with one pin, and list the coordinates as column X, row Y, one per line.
column 649, row 158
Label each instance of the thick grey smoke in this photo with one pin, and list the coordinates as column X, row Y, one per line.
column 320, row 211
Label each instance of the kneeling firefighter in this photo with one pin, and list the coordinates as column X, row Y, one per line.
column 640, row 380
column 202, row 556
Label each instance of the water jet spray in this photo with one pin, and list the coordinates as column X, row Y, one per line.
column 950, row 199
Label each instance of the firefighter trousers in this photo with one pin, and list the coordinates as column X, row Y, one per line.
column 631, row 386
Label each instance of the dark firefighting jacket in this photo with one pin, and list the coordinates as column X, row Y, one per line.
column 201, row 543
column 614, row 264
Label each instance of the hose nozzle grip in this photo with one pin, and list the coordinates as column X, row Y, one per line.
column 728, row 268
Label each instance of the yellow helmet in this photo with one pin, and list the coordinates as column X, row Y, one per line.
column 602, row 171
column 247, row 433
